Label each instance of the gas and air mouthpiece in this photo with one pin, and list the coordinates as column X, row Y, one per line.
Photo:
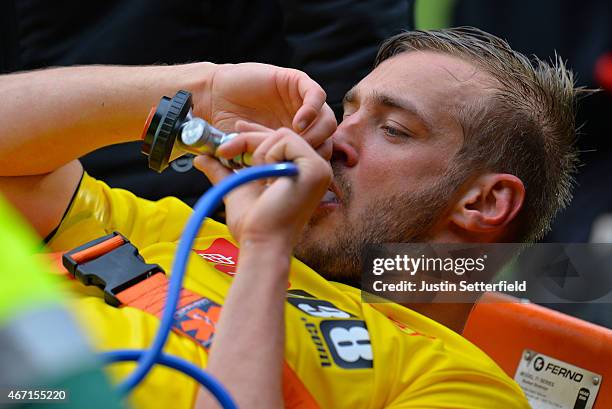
column 172, row 131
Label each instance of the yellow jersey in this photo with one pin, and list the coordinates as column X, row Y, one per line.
column 344, row 353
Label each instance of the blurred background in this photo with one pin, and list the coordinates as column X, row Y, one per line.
column 335, row 42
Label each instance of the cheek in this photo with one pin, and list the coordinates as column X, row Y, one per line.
column 381, row 171
column 374, row 178
column 387, row 171
column 373, row 172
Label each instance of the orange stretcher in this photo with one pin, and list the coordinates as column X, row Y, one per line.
column 503, row 327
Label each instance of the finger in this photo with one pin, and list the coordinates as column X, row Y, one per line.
column 246, row 126
column 276, row 149
column 286, row 146
column 313, row 98
column 326, row 150
column 259, row 155
column 322, row 129
column 234, row 201
column 212, row 168
column 313, row 170
column 241, row 143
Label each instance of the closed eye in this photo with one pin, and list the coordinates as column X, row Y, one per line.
column 394, row 132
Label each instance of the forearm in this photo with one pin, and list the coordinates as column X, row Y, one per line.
column 53, row 116
column 248, row 347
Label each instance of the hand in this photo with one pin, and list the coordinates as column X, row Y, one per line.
column 276, row 211
column 272, row 96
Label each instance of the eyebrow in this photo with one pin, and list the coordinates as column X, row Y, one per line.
column 390, row 102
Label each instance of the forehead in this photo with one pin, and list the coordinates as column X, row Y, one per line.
column 438, row 84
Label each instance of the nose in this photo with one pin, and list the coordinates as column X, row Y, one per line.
column 344, row 148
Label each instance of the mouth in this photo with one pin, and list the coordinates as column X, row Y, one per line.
column 329, row 197
column 332, row 197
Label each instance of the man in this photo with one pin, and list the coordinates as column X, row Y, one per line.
column 453, row 137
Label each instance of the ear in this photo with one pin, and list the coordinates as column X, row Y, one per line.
column 489, row 204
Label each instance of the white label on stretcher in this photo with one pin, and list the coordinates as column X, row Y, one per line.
column 550, row 383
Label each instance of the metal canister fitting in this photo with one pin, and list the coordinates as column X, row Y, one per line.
column 172, row 131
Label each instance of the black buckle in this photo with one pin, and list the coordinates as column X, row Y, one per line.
column 112, row 272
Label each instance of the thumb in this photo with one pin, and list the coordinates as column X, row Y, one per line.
column 212, row 168
column 238, row 199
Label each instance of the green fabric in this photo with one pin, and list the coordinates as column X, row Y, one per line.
column 87, row 389
column 27, row 282
column 433, row 14
column 26, row 279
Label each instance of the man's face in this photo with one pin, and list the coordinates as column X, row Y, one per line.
column 392, row 157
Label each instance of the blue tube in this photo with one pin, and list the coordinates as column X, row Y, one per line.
column 206, row 380
column 204, row 207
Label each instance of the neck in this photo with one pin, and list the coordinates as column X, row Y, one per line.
column 451, row 315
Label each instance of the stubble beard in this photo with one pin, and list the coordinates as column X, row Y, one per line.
column 398, row 218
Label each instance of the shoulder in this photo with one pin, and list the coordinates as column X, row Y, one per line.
column 422, row 355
